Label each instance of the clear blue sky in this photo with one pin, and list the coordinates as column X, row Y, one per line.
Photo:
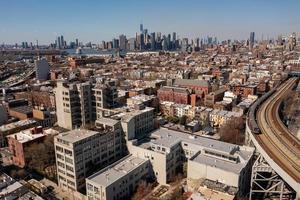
column 97, row 20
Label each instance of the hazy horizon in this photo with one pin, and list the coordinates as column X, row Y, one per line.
column 94, row 21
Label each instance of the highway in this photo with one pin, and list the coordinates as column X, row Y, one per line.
column 275, row 139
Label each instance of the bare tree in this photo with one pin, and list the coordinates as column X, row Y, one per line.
column 233, row 131
column 142, row 190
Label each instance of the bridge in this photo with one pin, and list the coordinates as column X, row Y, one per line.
column 276, row 172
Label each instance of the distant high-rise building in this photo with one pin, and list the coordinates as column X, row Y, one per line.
column 141, row 41
column 174, row 37
column 158, row 36
column 196, row 44
column 153, row 41
column 169, row 42
column 185, row 44
column 174, row 46
column 77, row 43
column 62, row 42
column 104, row 45
column 58, row 45
column 145, row 32
column 165, row 43
column 115, row 43
column 251, row 40
column 122, row 40
column 131, row 43
column 141, row 28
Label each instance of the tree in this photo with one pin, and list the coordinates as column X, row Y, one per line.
column 233, row 131
column 41, row 155
column 173, row 119
column 21, row 173
column 183, row 119
column 142, row 190
column 13, row 173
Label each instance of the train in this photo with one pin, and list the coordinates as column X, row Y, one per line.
column 252, row 121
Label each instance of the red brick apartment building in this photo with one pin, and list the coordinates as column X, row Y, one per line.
column 174, row 94
column 18, row 142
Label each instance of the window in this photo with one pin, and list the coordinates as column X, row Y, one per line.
column 60, row 149
column 69, row 168
column 68, row 152
column 69, row 160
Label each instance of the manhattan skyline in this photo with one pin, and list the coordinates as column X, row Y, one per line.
column 103, row 20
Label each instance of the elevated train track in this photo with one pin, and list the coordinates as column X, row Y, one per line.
column 270, row 136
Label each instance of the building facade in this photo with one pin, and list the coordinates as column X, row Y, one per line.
column 119, row 180
column 79, row 153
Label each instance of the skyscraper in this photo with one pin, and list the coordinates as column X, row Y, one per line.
column 122, row 40
column 141, row 28
column 115, row 43
column 185, row 44
column 251, row 40
column 62, row 42
column 131, row 44
column 58, row 43
column 174, row 46
column 174, row 37
column 152, row 41
column 141, row 41
column 77, row 43
column 169, row 42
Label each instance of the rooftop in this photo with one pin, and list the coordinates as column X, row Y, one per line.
column 107, row 121
column 11, row 126
column 117, row 170
column 22, row 109
column 129, row 115
column 76, row 135
column 26, row 135
column 191, row 82
column 222, row 155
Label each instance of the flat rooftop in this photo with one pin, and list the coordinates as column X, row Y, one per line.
column 76, row 135
column 117, row 170
column 22, row 109
column 107, row 121
column 229, row 157
column 13, row 125
column 166, row 137
column 26, row 135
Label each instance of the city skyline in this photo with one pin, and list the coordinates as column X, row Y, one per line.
column 94, row 22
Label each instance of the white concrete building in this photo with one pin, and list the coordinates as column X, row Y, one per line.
column 207, row 158
column 136, row 123
column 119, row 180
column 74, row 104
column 79, row 153
column 42, row 69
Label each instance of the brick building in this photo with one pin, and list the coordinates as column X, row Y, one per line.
column 174, row 94
column 198, row 87
column 245, row 90
column 18, row 142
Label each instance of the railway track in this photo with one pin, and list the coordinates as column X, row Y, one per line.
column 275, row 138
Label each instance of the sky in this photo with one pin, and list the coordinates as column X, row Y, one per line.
column 97, row 20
